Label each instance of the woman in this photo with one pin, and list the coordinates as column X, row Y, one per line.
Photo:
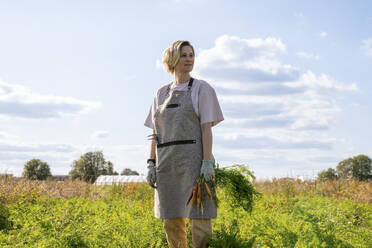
column 181, row 117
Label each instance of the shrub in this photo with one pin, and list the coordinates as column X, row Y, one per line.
column 329, row 174
column 4, row 218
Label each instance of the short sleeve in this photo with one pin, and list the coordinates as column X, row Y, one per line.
column 149, row 120
column 158, row 99
column 209, row 107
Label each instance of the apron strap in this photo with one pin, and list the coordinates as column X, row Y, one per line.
column 190, row 84
column 168, row 89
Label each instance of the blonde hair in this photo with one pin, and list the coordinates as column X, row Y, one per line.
column 172, row 54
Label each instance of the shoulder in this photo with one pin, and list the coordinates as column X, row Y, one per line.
column 203, row 86
column 162, row 90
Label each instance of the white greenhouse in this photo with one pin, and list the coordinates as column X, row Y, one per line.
column 110, row 180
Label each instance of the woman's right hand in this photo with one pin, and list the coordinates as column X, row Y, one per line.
column 207, row 170
column 151, row 175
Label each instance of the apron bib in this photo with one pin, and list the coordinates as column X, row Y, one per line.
column 179, row 155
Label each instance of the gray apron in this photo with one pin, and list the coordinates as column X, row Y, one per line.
column 179, row 155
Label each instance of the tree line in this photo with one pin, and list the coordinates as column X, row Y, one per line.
column 93, row 164
column 357, row 168
column 87, row 168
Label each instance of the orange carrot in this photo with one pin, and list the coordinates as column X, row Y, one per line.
column 199, row 194
column 208, row 190
column 194, row 194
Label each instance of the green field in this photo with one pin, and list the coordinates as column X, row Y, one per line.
column 76, row 214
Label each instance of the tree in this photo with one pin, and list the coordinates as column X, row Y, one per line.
column 90, row 166
column 358, row 167
column 327, row 174
column 110, row 170
column 345, row 168
column 129, row 172
column 362, row 168
column 35, row 169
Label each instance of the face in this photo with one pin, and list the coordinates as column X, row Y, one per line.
column 186, row 61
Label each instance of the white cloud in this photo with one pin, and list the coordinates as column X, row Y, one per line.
column 35, row 147
column 308, row 55
column 367, row 47
column 269, row 105
column 296, row 100
column 279, row 162
column 100, row 134
column 323, row 34
column 91, row 148
column 326, row 159
column 130, row 156
column 233, row 49
column 14, row 154
column 236, row 59
column 132, row 148
column 4, row 135
column 322, row 85
column 17, row 101
column 23, row 157
column 263, row 142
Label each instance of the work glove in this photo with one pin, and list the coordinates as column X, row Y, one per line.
column 207, row 170
column 151, row 175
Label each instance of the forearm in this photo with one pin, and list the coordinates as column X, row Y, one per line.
column 207, row 140
column 152, row 149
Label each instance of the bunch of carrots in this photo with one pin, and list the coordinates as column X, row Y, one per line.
column 197, row 193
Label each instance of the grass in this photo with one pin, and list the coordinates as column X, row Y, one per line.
column 291, row 213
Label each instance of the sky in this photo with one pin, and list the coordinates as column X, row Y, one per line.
column 293, row 79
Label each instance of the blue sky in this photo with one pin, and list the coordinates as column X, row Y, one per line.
column 293, row 79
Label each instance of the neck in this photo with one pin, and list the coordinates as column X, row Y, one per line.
column 181, row 77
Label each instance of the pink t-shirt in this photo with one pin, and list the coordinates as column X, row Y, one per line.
column 203, row 97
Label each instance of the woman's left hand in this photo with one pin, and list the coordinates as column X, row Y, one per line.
column 151, row 175
column 207, row 170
